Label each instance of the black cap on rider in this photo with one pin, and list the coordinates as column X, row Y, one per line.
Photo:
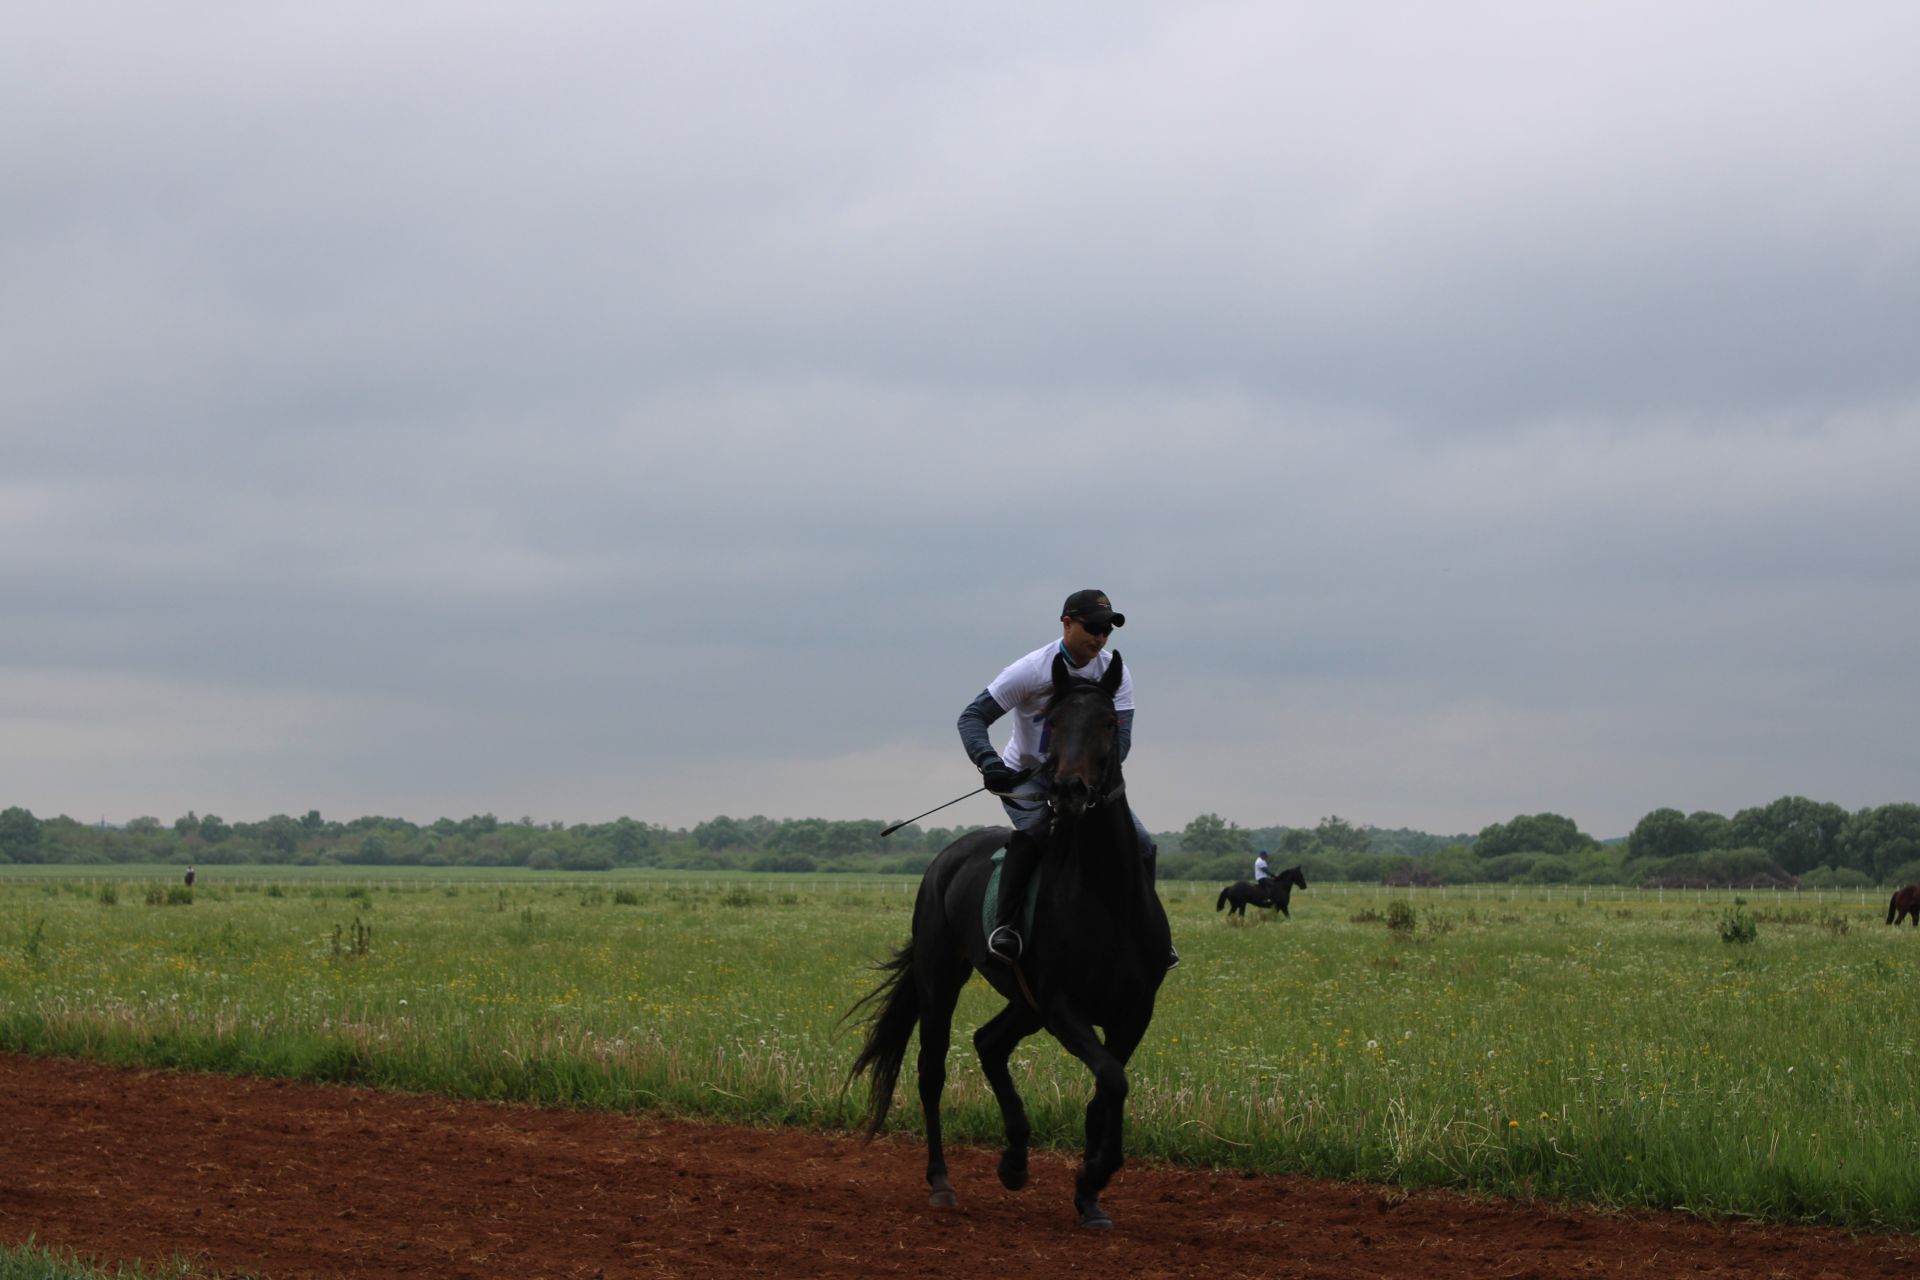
column 1093, row 609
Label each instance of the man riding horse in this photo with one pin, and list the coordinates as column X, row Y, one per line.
column 1017, row 776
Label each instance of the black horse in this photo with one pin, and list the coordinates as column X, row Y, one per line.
column 1274, row 891
column 1095, row 956
column 1906, row 902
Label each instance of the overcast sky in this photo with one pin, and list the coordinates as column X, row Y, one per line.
column 576, row 410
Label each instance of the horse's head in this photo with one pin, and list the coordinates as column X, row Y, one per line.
column 1295, row 877
column 1084, row 731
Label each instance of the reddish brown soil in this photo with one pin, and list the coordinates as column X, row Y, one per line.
column 276, row 1179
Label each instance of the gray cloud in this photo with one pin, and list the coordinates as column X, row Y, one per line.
column 618, row 411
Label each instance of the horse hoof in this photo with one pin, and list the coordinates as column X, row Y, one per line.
column 1095, row 1219
column 944, row 1199
column 1013, row 1172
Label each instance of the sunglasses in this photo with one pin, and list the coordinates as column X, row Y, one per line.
column 1093, row 629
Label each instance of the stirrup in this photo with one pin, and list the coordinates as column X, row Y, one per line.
column 1006, row 943
column 1173, row 958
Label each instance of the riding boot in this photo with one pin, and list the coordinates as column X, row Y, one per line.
column 1016, row 872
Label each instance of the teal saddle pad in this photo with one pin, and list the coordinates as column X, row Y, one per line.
column 990, row 904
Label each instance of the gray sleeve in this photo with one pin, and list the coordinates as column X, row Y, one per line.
column 1126, row 732
column 980, row 713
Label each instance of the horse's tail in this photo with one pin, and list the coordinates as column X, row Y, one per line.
column 895, row 1011
column 1223, row 898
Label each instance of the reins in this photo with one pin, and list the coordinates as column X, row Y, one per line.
column 1106, row 796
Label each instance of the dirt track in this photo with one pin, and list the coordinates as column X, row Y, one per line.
column 283, row 1180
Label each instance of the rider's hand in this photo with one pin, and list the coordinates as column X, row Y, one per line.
column 999, row 779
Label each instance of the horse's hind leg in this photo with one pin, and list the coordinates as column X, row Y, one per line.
column 939, row 995
column 994, row 1043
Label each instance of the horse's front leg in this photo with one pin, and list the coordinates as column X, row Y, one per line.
column 1105, row 1110
column 995, row 1043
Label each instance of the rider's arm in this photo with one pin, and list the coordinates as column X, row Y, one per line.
column 980, row 713
column 1126, row 732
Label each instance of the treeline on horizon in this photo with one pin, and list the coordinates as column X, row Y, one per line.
column 1791, row 841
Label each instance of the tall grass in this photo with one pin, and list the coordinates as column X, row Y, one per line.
column 1604, row 1046
column 34, row 1262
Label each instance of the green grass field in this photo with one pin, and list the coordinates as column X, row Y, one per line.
column 1603, row 1046
column 31, row 1262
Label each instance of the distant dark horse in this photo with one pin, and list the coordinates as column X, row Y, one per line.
column 1095, row 956
column 1906, row 902
column 1274, row 891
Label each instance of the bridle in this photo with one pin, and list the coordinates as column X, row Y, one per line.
column 1110, row 787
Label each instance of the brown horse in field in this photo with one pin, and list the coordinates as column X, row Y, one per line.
column 1906, row 902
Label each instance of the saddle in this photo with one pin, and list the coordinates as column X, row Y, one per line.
column 990, row 901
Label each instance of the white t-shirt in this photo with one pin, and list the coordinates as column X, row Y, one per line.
column 1025, row 688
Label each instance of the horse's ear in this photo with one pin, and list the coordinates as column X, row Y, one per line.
column 1060, row 677
column 1110, row 682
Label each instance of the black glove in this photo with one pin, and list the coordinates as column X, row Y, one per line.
column 1000, row 779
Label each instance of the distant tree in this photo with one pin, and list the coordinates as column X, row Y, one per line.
column 1402, row 840
column 1798, row 833
column 1337, row 835
column 213, row 829
column 278, row 834
column 1532, row 833
column 1836, row 878
column 312, row 821
column 64, row 840
column 586, row 858
column 1875, row 842
column 1210, row 834
column 1455, row 864
column 934, row 839
column 806, row 836
column 854, row 836
column 630, row 840
column 1712, row 830
column 1664, row 833
column 187, row 824
column 19, row 835
column 143, row 826
column 719, row 833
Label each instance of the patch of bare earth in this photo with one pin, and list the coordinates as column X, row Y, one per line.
column 283, row 1180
